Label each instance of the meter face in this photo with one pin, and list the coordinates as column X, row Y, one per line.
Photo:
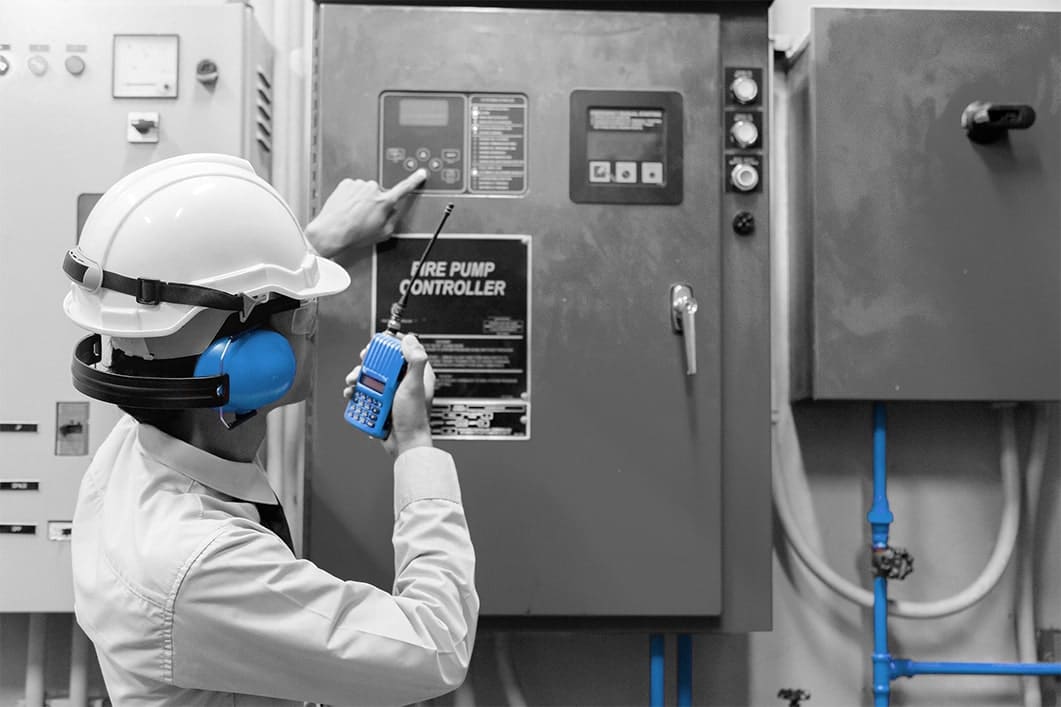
column 145, row 65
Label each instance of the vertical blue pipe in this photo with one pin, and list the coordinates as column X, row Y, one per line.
column 880, row 518
column 685, row 670
column 882, row 673
column 880, row 515
column 655, row 642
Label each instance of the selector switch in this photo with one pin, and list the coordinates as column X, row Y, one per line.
column 4, row 65
column 37, row 64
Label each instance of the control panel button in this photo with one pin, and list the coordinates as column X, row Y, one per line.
column 626, row 172
column 744, row 89
column 744, row 133
column 423, row 154
column 434, row 164
column 75, row 64
column 652, row 172
column 410, row 164
column 744, row 177
column 37, row 64
column 600, row 171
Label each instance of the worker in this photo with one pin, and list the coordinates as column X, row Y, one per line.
column 200, row 290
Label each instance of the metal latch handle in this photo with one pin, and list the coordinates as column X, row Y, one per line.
column 683, row 321
column 986, row 122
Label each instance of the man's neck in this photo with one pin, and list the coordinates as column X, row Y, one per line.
column 203, row 429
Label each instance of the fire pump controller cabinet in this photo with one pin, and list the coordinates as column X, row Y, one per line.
column 596, row 309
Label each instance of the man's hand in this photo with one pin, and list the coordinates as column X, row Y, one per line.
column 359, row 213
column 410, row 425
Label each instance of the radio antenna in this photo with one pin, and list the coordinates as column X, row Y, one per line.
column 394, row 324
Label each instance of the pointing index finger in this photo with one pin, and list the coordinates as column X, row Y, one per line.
column 406, row 186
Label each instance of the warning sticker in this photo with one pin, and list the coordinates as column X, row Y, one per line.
column 469, row 305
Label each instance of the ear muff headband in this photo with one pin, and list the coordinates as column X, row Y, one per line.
column 146, row 392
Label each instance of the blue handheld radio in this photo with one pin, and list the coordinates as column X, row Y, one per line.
column 369, row 408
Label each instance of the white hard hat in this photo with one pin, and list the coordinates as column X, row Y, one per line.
column 183, row 235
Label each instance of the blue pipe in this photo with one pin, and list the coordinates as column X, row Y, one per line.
column 885, row 669
column 880, row 515
column 880, row 518
column 656, row 694
column 882, row 662
column 685, row 670
column 909, row 668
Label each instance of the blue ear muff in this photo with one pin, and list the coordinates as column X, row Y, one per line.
column 260, row 366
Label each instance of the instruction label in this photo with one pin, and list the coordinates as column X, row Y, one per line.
column 470, row 308
column 498, row 138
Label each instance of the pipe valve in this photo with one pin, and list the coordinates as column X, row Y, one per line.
column 892, row 563
column 794, row 696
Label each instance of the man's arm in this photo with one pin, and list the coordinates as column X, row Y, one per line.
column 250, row 618
column 359, row 213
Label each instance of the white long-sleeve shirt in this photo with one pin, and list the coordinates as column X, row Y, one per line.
column 189, row 600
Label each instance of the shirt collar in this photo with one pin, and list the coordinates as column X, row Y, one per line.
column 243, row 480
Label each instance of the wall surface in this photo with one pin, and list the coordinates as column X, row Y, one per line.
column 944, row 465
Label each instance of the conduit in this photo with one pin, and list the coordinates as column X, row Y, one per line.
column 1033, row 480
column 35, row 660
column 656, row 684
column 507, row 673
column 685, row 670
column 78, row 666
column 977, row 590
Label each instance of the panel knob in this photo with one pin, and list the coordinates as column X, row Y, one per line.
column 37, row 64
column 75, row 65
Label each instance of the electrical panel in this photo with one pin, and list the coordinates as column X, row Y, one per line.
column 91, row 92
column 925, row 173
column 596, row 311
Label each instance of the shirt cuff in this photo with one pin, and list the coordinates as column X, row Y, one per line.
column 424, row 473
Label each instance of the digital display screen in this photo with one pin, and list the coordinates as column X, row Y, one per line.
column 423, row 112
column 636, row 134
column 641, row 147
column 372, row 383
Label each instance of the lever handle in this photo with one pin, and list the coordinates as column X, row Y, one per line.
column 683, row 321
column 986, row 122
column 143, row 125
